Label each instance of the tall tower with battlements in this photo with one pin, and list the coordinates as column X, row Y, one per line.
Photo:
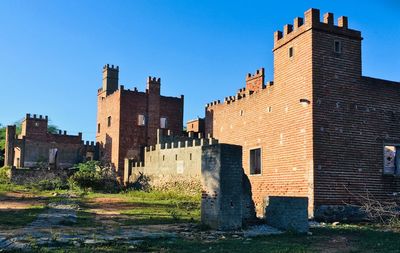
column 127, row 120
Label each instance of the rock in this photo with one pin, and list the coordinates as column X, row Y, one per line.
column 335, row 223
column 261, row 230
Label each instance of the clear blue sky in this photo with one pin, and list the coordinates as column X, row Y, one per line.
column 52, row 52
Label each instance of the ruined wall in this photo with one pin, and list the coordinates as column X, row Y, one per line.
column 29, row 176
column 36, row 147
column 221, row 203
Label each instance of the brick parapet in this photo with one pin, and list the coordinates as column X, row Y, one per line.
column 312, row 21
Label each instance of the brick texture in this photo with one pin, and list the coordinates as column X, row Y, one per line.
column 320, row 124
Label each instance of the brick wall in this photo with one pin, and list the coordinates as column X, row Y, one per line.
column 274, row 120
column 125, row 138
column 320, row 125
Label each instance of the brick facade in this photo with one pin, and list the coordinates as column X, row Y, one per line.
column 36, row 147
column 320, row 124
column 127, row 120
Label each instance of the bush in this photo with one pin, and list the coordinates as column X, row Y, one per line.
column 50, row 185
column 4, row 175
column 91, row 176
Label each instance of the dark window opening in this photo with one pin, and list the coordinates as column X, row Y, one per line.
column 176, row 157
column 98, row 128
column 190, row 156
column 109, row 121
column 163, row 157
column 338, row 46
column 255, row 161
column 290, row 51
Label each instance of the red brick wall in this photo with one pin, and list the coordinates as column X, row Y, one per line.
column 275, row 120
column 321, row 126
column 125, row 138
column 352, row 121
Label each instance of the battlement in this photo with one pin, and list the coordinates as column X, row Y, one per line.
column 312, row 21
column 259, row 73
column 177, row 143
column 153, row 80
column 108, row 67
column 36, row 117
column 254, row 83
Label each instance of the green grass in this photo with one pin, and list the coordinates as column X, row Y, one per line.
column 13, row 218
column 329, row 239
column 153, row 207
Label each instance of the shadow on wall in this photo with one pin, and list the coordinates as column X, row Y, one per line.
column 248, row 205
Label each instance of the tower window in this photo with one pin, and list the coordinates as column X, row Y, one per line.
column 109, row 121
column 98, row 128
column 290, row 52
column 141, row 120
column 163, row 122
column 255, row 161
column 338, row 46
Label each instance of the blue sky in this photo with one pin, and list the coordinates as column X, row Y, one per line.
column 52, row 52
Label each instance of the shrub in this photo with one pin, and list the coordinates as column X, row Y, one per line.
column 50, row 185
column 4, row 175
column 92, row 176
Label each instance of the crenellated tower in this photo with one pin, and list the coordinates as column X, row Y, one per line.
column 110, row 79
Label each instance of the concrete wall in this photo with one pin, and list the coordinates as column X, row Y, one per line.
column 221, row 203
column 287, row 213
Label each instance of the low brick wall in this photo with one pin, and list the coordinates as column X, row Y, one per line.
column 287, row 213
column 28, row 176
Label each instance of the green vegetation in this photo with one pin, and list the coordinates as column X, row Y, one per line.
column 329, row 239
column 13, row 218
column 91, row 176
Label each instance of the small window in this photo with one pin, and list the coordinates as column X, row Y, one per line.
column 176, row 157
column 36, row 124
column 290, row 52
column 109, row 121
column 163, row 122
column 98, row 128
column 141, row 120
column 163, row 157
column 241, row 112
column 391, row 163
column 255, row 161
column 338, row 46
column 190, row 156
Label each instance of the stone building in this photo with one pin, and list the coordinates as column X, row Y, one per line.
column 36, row 147
column 196, row 162
column 320, row 129
column 127, row 120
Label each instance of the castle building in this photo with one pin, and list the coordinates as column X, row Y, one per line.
column 127, row 120
column 320, row 129
column 36, row 147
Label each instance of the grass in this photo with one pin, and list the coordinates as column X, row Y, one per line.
column 148, row 208
column 20, row 217
column 341, row 238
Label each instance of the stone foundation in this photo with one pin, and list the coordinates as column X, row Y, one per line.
column 29, row 176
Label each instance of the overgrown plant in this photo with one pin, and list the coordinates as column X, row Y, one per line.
column 386, row 212
column 93, row 176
